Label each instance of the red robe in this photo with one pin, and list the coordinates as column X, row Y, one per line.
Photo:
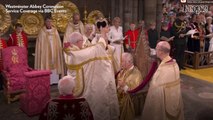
column 15, row 40
column 66, row 96
column 3, row 44
column 132, row 37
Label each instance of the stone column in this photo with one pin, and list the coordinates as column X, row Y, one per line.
column 150, row 11
column 135, row 9
column 141, row 9
column 159, row 15
column 120, row 6
column 131, row 9
column 116, row 9
column 113, row 9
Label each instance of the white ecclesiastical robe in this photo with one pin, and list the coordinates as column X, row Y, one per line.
column 110, row 51
column 71, row 27
column 116, row 35
column 164, row 99
column 48, row 53
column 93, row 67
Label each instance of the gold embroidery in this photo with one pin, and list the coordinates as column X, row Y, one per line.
column 181, row 27
column 79, row 66
column 14, row 56
column 1, row 44
column 20, row 41
column 79, row 73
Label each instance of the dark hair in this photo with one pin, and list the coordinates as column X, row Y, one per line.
column 102, row 23
column 181, row 14
column 18, row 25
column 164, row 24
column 47, row 17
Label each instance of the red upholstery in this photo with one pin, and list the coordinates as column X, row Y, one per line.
column 67, row 109
column 14, row 65
column 3, row 45
column 37, row 92
column 19, row 78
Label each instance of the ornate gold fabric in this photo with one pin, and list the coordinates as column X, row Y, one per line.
column 132, row 78
column 20, row 40
column 1, row 45
column 142, row 54
column 32, row 22
column 5, row 19
column 61, row 19
column 94, row 16
column 15, row 56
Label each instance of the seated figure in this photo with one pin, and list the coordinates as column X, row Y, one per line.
column 128, row 78
column 66, row 107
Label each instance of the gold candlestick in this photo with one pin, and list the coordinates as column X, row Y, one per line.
column 85, row 15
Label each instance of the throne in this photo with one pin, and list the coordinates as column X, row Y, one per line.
column 18, row 79
column 67, row 109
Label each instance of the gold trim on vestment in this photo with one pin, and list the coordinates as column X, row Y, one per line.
column 171, row 84
column 80, row 73
column 78, row 66
column 20, row 41
column 1, row 44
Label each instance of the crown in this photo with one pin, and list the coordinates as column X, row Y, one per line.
column 102, row 22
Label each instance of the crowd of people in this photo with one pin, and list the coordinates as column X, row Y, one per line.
column 97, row 61
column 188, row 31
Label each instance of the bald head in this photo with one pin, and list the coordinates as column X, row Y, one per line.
column 164, row 46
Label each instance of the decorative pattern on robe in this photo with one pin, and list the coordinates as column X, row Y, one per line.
column 18, row 40
column 142, row 54
column 132, row 78
column 98, row 78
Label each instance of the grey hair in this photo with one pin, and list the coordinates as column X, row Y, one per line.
column 90, row 26
column 128, row 57
column 66, row 85
column 75, row 37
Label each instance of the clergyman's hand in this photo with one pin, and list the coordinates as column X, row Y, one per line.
column 121, row 83
column 67, row 44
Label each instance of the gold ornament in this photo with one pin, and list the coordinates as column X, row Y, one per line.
column 5, row 19
column 31, row 22
column 94, row 15
column 61, row 19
